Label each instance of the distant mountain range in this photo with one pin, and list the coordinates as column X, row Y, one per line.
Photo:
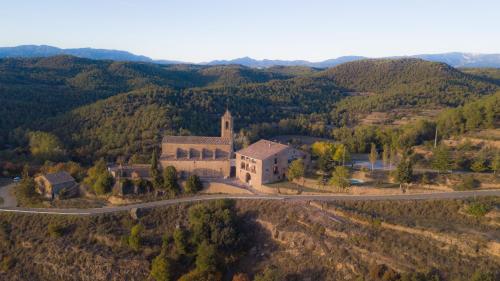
column 455, row 59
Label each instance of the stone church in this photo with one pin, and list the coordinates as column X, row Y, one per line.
column 208, row 157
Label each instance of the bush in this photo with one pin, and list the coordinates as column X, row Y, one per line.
column 480, row 275
column 180, row 241
column 270, row 274
column 193, row 184
column 468, row 183
column 206, row 259
column 478, row 209
column 55, row 230
column 161, row 268
column 135, row 238
column 7, row 263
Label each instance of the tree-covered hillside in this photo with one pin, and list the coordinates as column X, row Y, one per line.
column 134, row 122
column 59, row 95
column 33, row 89
column 396, row 83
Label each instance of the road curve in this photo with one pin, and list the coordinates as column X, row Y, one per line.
column 154, row 204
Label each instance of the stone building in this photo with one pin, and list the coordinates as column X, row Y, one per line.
column 52, row 185
column 207, row 157
column 265, row 162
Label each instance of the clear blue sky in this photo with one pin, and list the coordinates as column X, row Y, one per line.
column 198, row 31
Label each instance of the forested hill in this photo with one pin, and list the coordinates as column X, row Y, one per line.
column 400, row 75
column 133, row 122
column 33, row 89
column 59, row 95
column 397, row 83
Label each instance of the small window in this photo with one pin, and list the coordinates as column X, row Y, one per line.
column 275, row 170
column 275, row 160
column 227, row 125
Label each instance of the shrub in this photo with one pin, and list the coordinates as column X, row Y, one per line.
column 55, row 230
column 480, row 275
column 7, row 263
column 193, row 184
column 180, row 241
column 468, row 183
column 478, row 209
column 206, row 259
column 161, row 268
column 270, row 274
column 135, row 238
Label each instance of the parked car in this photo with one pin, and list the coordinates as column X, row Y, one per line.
column 17, row 179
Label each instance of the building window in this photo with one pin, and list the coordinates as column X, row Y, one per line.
column 275, row 170
column 242, row 165
column 227, row 125
column 275, row 160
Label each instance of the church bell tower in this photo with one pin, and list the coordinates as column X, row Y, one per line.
column 227, row 125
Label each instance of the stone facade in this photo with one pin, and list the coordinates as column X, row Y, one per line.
column 51, row 185
column 207, row 157
column 265, row 162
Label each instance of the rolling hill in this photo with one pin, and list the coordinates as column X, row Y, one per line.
column 106, row 108
column 57, row 84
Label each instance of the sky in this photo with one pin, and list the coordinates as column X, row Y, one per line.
column 198, row 31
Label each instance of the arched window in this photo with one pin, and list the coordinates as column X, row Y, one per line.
column 227, row 125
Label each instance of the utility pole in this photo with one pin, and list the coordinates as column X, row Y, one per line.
column 436, row 137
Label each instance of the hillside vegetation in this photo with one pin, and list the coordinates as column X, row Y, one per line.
column 38, row 88
column 401, row 83
column 105, row 108
column 253, row 240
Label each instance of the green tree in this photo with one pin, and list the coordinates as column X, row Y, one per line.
column 340, row 178
column 26, row 190
column 404, row 172
column 135, row 237
column 386, row 154
column 99, row 179
column 170, row 180
column 193, row 184
column 161, row 268
column 441, row 159
column 206, row 257
column 373, row 155
column 154, row 171
column 45, row 146
column 296, row 170
column 180, row 241
column 479, row 164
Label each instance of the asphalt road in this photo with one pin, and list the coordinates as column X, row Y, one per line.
column 425, row 196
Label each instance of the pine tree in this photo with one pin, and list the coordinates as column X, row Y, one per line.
column 154, row 171
column 441, row 159
column 404, row 172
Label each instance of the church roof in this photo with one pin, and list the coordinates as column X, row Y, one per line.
column 196, row 140
column 262, row 149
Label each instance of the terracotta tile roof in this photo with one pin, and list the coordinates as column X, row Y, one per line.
column 262, row 149
column 59, row 177
column 196, row 140
column 141, row 169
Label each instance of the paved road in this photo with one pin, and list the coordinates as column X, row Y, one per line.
column 426, row 196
